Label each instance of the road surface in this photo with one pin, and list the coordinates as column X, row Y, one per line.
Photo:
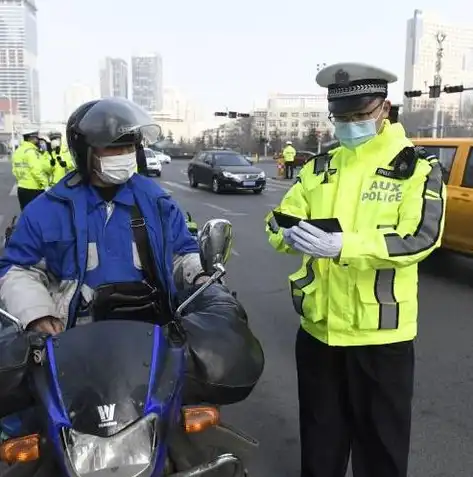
column 442, row 438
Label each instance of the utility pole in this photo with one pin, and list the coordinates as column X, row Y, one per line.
column 440, row 37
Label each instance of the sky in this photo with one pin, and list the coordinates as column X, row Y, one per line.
column 225, row 54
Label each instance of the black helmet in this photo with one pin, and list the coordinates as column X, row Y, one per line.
column 106, row 123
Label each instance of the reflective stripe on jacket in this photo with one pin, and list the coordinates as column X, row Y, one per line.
column 28, row 167
column 368, row 295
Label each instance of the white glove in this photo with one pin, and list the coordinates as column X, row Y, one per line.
column 315, row 242
column 287, row 235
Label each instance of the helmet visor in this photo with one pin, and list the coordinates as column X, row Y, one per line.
column 117, row 121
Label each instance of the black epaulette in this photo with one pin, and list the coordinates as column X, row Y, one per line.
column 322, row 165
column 404, row 164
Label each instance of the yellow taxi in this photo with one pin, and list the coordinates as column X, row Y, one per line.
column 456, row 157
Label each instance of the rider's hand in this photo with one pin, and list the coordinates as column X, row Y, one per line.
column 47, row 324
column 201, row 280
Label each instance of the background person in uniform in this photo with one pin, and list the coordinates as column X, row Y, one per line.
column 357, row 290
column 289, row 155
column 61, row 159
column 27, row 167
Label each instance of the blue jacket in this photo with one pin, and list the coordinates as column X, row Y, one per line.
column 43, row 267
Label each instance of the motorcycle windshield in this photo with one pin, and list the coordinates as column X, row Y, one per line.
column 103, row 373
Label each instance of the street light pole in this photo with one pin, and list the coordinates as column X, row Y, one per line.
column 440, row 37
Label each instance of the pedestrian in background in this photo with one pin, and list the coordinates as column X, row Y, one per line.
column 289, row 156
column 356, row 291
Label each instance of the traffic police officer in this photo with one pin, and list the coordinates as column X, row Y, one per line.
column 357, row 289
column 289, row 155
column 27, row 167
column 61, row 159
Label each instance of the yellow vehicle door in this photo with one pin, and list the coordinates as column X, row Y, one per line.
column 461, row 205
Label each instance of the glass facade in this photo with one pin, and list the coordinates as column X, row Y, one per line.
column 114, row 78
column 147, row 80
column 18, row 56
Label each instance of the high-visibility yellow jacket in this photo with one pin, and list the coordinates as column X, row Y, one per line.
column 28, row 167
column 63, row 164
column 392, row 218
column 289, row 153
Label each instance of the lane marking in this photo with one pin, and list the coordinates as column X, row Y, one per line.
column 271, row 205
column 216, row 207
column 235, row 253
column 179, row 186
column 235, row 214
column 14, row 190
column 2, row 218
column 183, row 171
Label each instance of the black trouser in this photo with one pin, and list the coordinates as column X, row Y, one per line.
column 25, row 196
column 354, row 398
column 289, row 167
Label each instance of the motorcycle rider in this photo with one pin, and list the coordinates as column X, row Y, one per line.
column 27, row 167
column 78, row 237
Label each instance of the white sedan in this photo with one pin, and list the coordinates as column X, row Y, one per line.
column 153, row 163
column 163, row 157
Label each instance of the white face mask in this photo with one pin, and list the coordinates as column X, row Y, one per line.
column 116, row 169
column 55, row 143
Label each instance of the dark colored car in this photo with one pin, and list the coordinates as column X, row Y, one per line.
column 225, row 170
column 303, row 157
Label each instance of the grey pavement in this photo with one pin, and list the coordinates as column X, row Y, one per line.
column 442, row 438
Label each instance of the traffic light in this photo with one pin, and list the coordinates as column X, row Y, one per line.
column 219, row 113
column 454, row 89
column 243, row 115
column 434, row 91
column 232, row 114
column 413, row 94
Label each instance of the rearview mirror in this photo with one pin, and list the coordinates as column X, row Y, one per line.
column 215, row 243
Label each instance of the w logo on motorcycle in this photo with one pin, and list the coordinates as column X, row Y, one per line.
column 107, row 415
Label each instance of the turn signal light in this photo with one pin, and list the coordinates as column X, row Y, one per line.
column 20, row 449
column 197, row 419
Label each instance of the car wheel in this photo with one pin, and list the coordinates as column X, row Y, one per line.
column 192, row 182
column 215, row 185
column 258, row 191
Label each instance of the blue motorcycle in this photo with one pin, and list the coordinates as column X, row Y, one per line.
column 109, row 399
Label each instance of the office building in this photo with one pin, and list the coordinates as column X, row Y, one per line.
column 18, row 57
column 421, row 58
column 114, row 78
column 293, row 116
column 147, row 81
column 75, row 95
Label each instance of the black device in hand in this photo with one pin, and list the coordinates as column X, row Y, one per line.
column 327, row 225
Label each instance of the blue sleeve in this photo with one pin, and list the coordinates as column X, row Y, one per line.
column 183, row 240
column 25, row 245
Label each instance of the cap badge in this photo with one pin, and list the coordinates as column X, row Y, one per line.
column 342, row 77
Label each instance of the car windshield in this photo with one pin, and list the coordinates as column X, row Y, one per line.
column 149, row 153
column 230, row 160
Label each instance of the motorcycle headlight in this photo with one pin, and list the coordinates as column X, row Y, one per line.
column 126, row 454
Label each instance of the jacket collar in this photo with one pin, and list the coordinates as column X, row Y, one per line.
column 71, row 187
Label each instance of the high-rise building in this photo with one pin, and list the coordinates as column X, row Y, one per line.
column 147, row 81
column 75, row 95
column 18, row 56
column 114, row 78
column 421, row 58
